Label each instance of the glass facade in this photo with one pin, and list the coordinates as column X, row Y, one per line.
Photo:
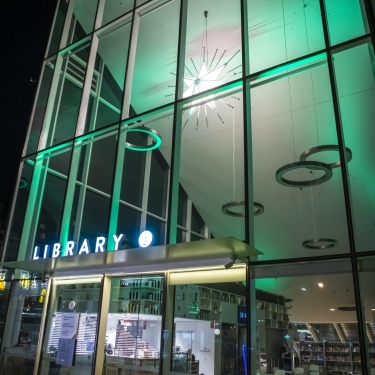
column 197, row 180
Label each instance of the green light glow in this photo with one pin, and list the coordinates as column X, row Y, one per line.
column 61, row 147
column 292, row 65
column 152, row 147
column 23, row 184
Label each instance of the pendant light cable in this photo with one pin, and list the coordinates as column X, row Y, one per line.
column 234, row 154
column 290, row 95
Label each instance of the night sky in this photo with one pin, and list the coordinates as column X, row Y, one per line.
column 25, row 26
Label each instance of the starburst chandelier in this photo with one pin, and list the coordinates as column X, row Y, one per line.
column 207, row 77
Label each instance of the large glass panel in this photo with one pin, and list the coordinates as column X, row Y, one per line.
column 157, row 228
column 23, row 319
column 159, row 178
column 291, row 115
column 65, row 96
column 108, row 77
column 133, row 335
column 16, row 223
column 213, row 45
column 356, row 89
column 114, row 9
column 142, row 175
column 346, row 22
column 305, row 318
column 209, row 325
column 280, row 31
column 57, row 27
column 50, row 201
column 156, row 57
column 212, row 163
column 366, row 267
column 69, row 339
column 82, row 20
column 93, row 188
column 129, row 223
column 40, row 108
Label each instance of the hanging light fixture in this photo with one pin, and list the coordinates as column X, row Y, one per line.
column 205, row 76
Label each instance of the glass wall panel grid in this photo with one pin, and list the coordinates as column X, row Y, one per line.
column 45, row 203
column 142, row 173
column 39, row 107
column 57, row 28
column 102, row 101
column 356, row 92
column 280, row 31
column 152, row 57
column 64, row 100
column 112, row 10
column 212, row 161
column 292, row 112
column 87, row 206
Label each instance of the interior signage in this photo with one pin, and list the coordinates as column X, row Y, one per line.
column 72, row 248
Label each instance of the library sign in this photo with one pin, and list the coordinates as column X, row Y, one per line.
column 71, row 248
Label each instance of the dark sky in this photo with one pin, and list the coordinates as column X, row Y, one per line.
column 24, row 31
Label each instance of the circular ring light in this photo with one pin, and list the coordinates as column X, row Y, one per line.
column 314, row 150
column 23, row 183
column 227, row 209
column 303, row 164
column 151, row 132
column 310, row 244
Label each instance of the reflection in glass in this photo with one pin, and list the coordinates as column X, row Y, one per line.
column 71, row 326
column 23, row 312
column 133, row 335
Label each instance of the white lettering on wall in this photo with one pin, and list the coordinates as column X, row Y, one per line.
column 117, row 240
column 35, row 256
column 85, row 247
column 56, row 250
column 100, row 243
column 70, row 247
column 46, row 248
